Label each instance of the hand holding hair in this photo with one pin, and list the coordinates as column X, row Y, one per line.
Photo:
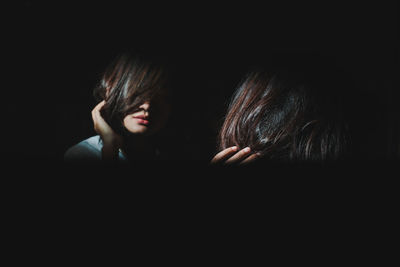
column 231, row 155
column 112, row 142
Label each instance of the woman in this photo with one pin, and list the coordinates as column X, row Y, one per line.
column 292, row 110
column 135, row 106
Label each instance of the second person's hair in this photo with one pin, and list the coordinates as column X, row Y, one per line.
column 291, row 110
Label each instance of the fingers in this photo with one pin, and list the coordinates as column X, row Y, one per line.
column 96, row 115
column 100, row 125
column 221, row 156
column 96, row 110
column 250, row 158
column 100, row 105
column 239, row 156
column 231, row 155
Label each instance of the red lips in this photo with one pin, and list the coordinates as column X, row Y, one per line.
column 142, row 119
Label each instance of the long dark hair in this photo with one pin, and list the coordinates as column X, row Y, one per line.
column 130, row 79
column 292, row 109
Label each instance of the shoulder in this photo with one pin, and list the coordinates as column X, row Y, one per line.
column 88, row 149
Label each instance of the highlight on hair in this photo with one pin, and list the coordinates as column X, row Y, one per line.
column 129, row 81
column 292, row 110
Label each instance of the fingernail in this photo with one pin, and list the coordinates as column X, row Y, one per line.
column 247, row 149
column 234, row 148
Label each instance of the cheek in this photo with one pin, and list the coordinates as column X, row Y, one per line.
column 133, row 127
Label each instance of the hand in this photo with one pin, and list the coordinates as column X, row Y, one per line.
column 231, row 155
column 111, row 141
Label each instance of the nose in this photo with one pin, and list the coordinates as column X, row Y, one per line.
column 145, row 106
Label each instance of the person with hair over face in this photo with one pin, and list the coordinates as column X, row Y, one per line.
column 135, row 106
column 292, row 110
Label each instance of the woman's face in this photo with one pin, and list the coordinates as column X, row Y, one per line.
column 150, row 117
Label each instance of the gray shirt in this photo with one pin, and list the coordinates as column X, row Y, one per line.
column 88, row 150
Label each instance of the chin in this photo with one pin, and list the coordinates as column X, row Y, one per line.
column 140, row 131
column 137, row 129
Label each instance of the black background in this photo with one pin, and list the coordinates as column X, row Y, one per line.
column 54, row 54
column 58, row 51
